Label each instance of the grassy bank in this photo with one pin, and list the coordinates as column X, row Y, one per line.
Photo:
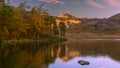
column 91, row 36
column 51, row 40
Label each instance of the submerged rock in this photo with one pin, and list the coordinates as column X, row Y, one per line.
column 83, row 62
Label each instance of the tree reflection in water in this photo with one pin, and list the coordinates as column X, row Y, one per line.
column 32, row 55
column 94, row 48
column 40, row 55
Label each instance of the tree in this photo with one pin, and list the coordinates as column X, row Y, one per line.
column 55, row 29
column 7, row 23
column 21, row 16
column 42, row 22
column 2, row 3
column 18, row 22
column 62, row 28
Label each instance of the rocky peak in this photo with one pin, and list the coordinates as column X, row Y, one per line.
column 66, row 15
column 67, row 18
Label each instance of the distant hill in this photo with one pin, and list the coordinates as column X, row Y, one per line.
column 101, row 25
column 67, row 19
column 67, row 16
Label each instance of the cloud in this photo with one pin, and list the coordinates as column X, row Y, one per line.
column 53, row 1
column 95, row 4
column 115, row 3
column 75, row 3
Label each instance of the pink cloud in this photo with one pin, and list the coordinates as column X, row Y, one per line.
column 53, row 1
column 115, row 3
column 95, row 4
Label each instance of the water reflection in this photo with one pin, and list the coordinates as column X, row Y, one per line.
column 100, row 54
column 95, row 62
column 96, row 48
column 28, row 55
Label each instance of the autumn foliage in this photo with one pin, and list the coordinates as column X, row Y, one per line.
column 28, row 23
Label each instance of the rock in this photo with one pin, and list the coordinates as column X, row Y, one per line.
column 83, row 62
column 67, row 18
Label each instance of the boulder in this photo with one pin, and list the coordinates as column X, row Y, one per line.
column 83, row 62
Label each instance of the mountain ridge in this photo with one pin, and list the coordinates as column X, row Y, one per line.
column 111, row 24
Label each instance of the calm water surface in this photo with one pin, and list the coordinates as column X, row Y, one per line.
column 99, row 53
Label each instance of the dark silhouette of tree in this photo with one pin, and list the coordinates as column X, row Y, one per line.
column 62, row 27
column 55, row 29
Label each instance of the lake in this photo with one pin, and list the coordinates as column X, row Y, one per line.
column 99, row 54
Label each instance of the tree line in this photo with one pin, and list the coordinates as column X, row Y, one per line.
column 26, row 22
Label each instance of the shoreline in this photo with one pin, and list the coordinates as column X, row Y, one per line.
column 12, row 41
column 91, row 36
column 70, row 37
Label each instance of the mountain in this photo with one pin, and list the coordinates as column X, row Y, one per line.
column 116, row 17
column 74, row 24
column 67, row 19
column 67, row 16
column 110, row 24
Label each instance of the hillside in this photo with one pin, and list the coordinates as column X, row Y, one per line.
column 67, row 19
column 111, row 24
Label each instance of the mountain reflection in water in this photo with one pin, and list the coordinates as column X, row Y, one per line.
column 100, row 54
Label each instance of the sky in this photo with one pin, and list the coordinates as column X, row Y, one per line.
column 78, row 8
